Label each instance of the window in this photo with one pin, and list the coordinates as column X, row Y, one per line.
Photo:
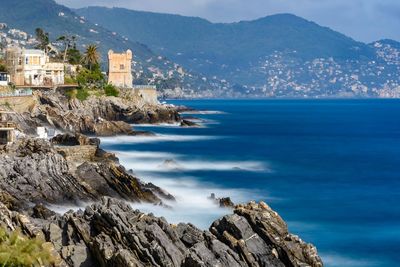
column 122, row 67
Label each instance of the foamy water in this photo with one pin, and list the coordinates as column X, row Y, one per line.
column 169, row 162
column 169, row 171
column 153, row 139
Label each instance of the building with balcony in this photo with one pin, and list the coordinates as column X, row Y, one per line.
column 32, row 67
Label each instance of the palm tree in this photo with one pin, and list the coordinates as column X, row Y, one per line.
column 91, row 56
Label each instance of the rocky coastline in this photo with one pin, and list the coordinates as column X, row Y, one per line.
column 71, row 168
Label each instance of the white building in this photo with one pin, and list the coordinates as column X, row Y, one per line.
column 32, row 67
column 4, row 79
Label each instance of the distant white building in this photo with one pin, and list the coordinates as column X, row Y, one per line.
column 32, row 67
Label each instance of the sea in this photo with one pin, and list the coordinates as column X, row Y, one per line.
column 330, row 168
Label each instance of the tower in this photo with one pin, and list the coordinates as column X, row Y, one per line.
column 120, row 69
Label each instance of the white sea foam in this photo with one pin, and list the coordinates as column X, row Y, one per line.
column 192, row 203
column 124, row 139
column 202, row 112
column 335, row 260
column 167, row 162
column 173, row 125
column 62, row 209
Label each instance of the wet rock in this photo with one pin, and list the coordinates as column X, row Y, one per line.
column 171, row 165
column 188, row 123
column 224, row 202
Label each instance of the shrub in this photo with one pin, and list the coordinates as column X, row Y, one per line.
column 17, row 250
column 69, row 80
column 3, row 68
column 90, row 78
column 111, row 90
column 82, row 94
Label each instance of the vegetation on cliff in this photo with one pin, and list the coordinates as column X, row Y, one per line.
column 18, row 250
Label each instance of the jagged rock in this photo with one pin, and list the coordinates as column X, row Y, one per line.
column 102, row 116
column 224, row 202
column 76, row 139
column 33, row 170
column 188, row 123
column 41, row 212
column 111, row 233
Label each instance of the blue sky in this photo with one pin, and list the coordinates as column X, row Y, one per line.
column 363, row 20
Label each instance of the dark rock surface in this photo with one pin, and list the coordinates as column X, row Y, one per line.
column 102, row 116
column 111, row 233
column 188, row 123
column 223, row 202
column 33, row 170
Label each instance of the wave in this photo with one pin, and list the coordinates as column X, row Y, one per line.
column 192, row 201
column 62, row 209
column 202, row 112
column 125, row 139
column 173, row 125
column 335, row 260
column 168, row 162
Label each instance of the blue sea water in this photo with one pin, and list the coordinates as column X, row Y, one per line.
column 330, row 168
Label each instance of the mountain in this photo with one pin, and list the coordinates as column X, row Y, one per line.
column 150, row 67
column 220, row 47
column 279, row 55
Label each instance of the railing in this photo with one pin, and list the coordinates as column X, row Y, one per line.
column 144, row 87
column 16, row 93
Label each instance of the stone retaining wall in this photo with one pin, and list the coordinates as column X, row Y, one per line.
column 78, row 154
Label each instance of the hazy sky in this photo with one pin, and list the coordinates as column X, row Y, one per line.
column 364, row 20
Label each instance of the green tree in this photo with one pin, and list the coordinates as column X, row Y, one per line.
column 91, row 57
column 43, row 38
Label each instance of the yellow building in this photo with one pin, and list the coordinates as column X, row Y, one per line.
column 32, row 67
column 120, row 69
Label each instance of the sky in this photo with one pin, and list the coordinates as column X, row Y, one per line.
column 363, row 20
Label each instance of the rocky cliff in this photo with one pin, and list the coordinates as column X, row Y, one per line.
column 102, row 116
column 38, row 171
column 112, row 233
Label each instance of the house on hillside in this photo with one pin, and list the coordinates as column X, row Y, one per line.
column 32, row 67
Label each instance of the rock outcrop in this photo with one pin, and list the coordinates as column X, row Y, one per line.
column 38, row 171
column 102, row 116
column 111, row 233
